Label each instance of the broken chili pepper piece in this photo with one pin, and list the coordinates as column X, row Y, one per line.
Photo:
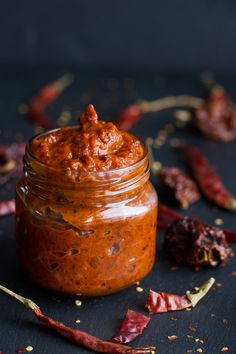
column 164, row 302
column 180, row 185
column 76, row 336
column 128, row 117
column 209, row 182
column 216, row 117
column 47, row 95
column 158, row 302
column 189, row 241
column 132, row 326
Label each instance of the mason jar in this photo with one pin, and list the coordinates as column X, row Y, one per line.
column 91, row 237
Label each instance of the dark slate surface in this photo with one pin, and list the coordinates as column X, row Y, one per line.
column 102, row 316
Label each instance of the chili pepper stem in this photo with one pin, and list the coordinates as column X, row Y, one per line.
column 62, row 82
column 169, row 102
column 196, row 296
column 27, row 302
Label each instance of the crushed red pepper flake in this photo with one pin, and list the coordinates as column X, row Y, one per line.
column 173, row 337
column 234, row 274
column 192, row 329
column 174, row 319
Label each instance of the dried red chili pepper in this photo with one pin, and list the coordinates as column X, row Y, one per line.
column 10, row 161
column 209, row 182
column 180, row 185
column 128, row 117
column 43, row 98
column 7, row 207
column 132, row 326
column 216, row 117
column 164, row 302
column 166, row 216
column 189, row 241
column 158, row 302
column 76, row 336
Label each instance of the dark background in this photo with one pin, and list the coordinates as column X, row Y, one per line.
column 182, row 35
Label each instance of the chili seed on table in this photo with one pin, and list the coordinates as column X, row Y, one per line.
column 29, row 348
column 218, row 221
column 78, row 303
column 172, row 337
column 199, row 350
column 224, row 349
column 192, row 329
column 77, row 321
column 139, row 289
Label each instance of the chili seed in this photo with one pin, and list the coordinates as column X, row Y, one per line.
column 78, row 303
column 192, row 329
column 224, row 349
column 172, row 337
column 219, row 221
column 77, row 321
column 139, row 289
column 199, row 350
column 225, row 322
column 29, row 348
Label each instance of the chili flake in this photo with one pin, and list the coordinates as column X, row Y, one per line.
column 172, row 337
column 139, row 289
column 78, row 303
column 192, row 329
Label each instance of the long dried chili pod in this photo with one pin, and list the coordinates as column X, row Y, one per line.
column 209, row 182
column 76, row 336
column 43, row 98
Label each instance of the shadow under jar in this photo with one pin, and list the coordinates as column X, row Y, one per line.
column 91, row 237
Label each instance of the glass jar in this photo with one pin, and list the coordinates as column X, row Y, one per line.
column 92, row 237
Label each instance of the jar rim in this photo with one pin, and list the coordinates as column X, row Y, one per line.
column 89, row 173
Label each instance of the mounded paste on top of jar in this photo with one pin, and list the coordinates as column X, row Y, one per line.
column 94, row 146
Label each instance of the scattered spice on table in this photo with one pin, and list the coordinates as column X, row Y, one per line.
column 158, row 302
column 173, row 337
column 189, row 241
column 192, row 329
column 132, row 326
column 208, row 181
column 199, row 350
column 218, row 221
column 225, row 322
column 76, row 336
column 216, row 117
column 224, row 349
column 181, row 186
column 139, row 289
column 174, row 319
column 46, row 95
column 233, row 274
column 78, row 303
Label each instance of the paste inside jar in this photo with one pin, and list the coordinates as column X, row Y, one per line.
column 94, row 146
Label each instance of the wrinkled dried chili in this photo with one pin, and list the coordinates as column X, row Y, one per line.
column 166, row 216
column 189, row 241
column 76, row 336
column 159, row 302
column 209, row 182
column 216, row 117
column 132, row 114
column 132, row 326
column 46, row 96
column 180, row 185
